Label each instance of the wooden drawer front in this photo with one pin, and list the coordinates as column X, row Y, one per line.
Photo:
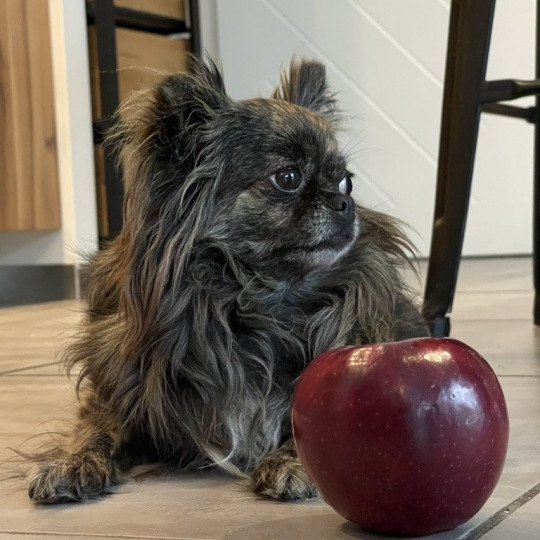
column 29, row 190
column 167, row 8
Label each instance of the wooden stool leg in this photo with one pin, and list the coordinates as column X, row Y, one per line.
column 468, row 46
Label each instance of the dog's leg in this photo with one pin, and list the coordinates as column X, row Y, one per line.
column 82, row 467
column 280, row 475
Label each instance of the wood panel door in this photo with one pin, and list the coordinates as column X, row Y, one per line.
column 29, row 190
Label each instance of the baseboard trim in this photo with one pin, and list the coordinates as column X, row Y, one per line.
column 32, row 284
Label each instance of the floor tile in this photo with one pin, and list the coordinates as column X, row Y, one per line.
column 47, row 369
column 33, row 335
column 495, row 274
column 493, row 305
column 53, row 536
column 28, row 404
column 491, row 314
column 23, row 536
column 492, row 274
column 212, row 505
column 522, row 468
column 523, row 524
column 512, row 347
column 197, row 505
column 34, row 355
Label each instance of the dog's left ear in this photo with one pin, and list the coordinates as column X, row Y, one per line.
column 184, row 103
column 305, row 84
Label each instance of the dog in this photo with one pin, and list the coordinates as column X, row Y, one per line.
column 242, row 257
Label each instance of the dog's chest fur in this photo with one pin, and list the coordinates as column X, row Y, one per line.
column 253, row 343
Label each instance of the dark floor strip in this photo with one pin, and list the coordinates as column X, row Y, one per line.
column 30, row 375
column 502, row 514
column 16, row 370
column 96, row 535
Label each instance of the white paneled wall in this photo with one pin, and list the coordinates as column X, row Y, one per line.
column 386, row 58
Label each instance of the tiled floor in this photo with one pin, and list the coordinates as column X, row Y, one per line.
column 492, row 313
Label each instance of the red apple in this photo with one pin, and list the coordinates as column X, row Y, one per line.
column 402, row 438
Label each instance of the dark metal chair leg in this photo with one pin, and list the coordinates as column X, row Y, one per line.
column 536, row 197
column 468, row 45
column 104, row 20
column 195, row 31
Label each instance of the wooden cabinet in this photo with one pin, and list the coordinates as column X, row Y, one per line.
column 29, row 190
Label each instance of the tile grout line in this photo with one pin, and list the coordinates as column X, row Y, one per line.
column 502, row 514
column 61, row 375
column 98, row 535
column 16, row 370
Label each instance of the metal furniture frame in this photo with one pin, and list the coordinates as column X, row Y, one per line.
column 466, row 95
column 107, row 17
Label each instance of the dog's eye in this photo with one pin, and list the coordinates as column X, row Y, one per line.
column 287, row 180
column 345, row 186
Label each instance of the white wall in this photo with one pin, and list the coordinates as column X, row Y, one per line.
column 386, row 58
column 78, row 234
column 208, row 28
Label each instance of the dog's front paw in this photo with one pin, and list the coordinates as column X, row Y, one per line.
column 70, row 480
column 281, row 476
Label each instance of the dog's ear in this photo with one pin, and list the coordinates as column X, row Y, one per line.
column 305, row 84
column 186, row 102
column 165, row 124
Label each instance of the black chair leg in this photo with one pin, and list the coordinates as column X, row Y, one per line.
column 105, row 23
column 468, row 45
column 536, row 197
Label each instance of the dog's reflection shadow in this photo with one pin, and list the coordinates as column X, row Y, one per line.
column 327, row 526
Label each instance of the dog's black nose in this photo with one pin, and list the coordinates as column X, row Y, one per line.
column 343, row 204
